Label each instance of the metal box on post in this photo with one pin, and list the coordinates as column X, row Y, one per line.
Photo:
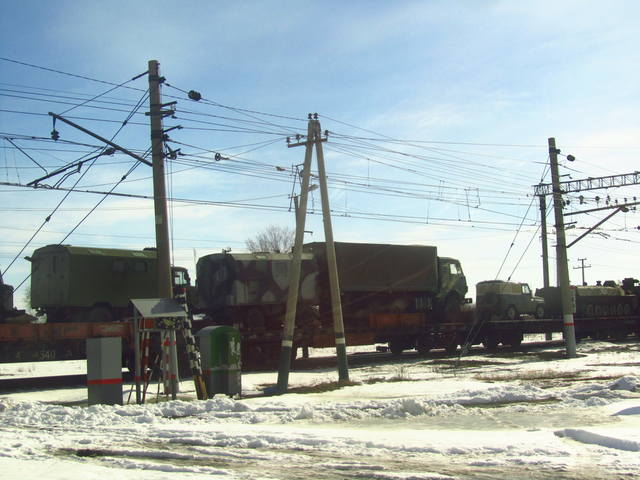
column 221, row 364
column 104, row 370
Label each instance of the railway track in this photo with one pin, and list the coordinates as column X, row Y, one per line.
column 13, row 384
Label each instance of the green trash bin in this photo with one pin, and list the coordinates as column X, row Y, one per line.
column 221, row 365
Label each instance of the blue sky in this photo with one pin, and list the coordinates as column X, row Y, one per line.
column 468, row 91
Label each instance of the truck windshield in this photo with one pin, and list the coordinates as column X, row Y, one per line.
column 180, row 277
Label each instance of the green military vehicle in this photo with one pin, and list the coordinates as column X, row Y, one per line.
column 8, row 312
column 382, row 277
column 91, row 284
column 395, row 294
column 250, row 289
column 508, row 300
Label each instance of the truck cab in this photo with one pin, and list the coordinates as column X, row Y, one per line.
column 453, row 284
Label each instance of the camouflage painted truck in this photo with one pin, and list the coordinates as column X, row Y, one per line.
column 90, row 284
column 249, row 291
column 390, row 293
column 403, row 295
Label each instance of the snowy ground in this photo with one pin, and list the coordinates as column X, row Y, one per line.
column 502, row 416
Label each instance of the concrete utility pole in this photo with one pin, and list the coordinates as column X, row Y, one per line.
column 314, row 136
column 561, row 255
column 582, row 267
column 334, row 284
column 165, row 289
column 294, row 273
column 159, row 188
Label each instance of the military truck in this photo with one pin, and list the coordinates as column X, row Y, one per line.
column 508, row 300
column 394, row 293
column 249, row 290
column 90, row 284
column 382, row 277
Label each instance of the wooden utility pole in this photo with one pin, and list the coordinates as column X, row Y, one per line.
column 165, row 289
column 314, row 137
column 561, row 255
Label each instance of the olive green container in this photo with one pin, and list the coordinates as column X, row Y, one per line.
column 221, row 365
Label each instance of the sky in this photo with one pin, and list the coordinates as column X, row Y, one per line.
column 438, row 116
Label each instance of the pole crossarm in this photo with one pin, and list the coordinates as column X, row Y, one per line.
column 592, row 183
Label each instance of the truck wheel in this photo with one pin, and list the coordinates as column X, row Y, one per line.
column 100, row 315
column 539, row 311
column 511, row 313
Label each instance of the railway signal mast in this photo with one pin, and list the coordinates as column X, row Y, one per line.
column 558, row 188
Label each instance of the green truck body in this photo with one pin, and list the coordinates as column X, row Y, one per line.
column 400, row 271
column 71, row 283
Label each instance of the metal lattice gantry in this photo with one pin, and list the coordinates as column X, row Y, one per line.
column 590, row 183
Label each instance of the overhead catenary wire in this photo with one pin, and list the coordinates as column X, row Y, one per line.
column 48, row 218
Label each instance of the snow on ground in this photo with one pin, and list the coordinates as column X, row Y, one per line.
column 508, row 415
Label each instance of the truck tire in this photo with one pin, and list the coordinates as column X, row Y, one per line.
column 511, row 313
column 539, row 311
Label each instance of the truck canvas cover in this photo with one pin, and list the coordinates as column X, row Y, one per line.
column 374, row 267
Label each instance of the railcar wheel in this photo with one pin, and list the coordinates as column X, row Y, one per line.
column 619, row 335
column 515, row 341
column 626, row 309
column 588, row 310
column 511, row 313
column 100, row 314
column 620, row 310
column 539, row 311
column 255, row 320
column 396, row 346
column 597, row 310
column 451, row 347
column 423, row 345
column 490, row 342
